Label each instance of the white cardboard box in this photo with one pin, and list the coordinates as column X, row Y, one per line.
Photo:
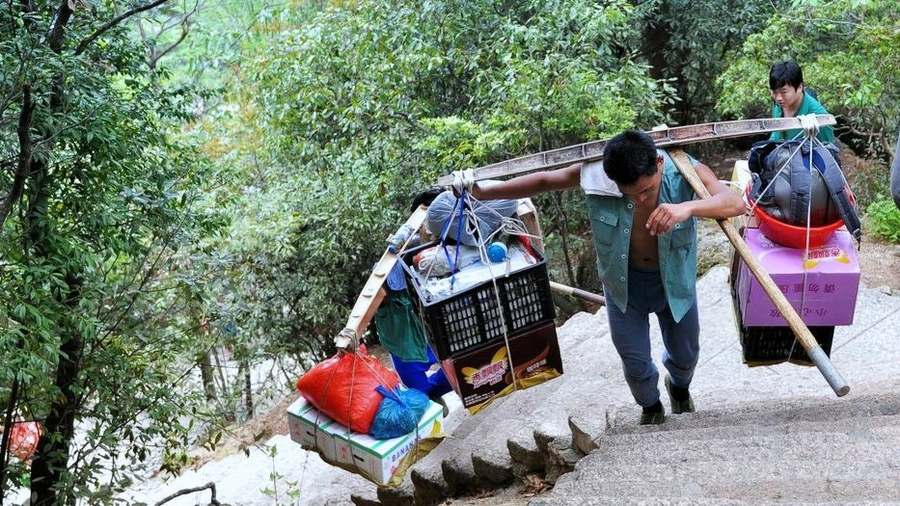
column 376, row 459
column 379, row 459
column 312, row 429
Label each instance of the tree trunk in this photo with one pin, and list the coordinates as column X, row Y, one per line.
column 207, row 376
column 4, row 436
column 248, row 391
column 52, row 456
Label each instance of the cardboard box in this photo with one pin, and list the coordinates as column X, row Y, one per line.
column 741, row 178
column 375, row 459
column 528, row 214
column 378, row 459
column 822, row 285
column 482, row 374
column 312, row 429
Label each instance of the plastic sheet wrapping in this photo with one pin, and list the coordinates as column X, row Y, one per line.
column 444, row 213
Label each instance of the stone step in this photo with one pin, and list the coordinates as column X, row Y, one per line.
column 767, row 455
column 796, row 491
column 823, row 441
column 490, row 449
column 589, row 410
column 775, row 412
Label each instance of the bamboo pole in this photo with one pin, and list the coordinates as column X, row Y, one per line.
column 807, row 340
column 577, row 292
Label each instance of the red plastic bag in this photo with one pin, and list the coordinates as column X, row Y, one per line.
column 343, row 387
column 23, row 439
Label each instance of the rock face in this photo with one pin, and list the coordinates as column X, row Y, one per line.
column 774, row 434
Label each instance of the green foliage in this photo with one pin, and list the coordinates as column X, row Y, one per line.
column 849, row 52
column 150, row 206
column 686, row 43
column 99, row 200
column 883, row 220
column 344, row 114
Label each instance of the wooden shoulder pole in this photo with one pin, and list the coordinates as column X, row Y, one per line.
column 809, row 343
column 664, row 137
column 373, row 293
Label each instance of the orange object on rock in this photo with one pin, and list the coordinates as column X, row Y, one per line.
column 23, row 439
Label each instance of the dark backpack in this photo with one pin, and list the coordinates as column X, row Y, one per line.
column 789, row 193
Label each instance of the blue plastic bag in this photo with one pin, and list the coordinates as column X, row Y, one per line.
column 399, row 412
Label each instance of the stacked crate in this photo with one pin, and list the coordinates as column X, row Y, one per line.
column 821, row 284
column 493, row 333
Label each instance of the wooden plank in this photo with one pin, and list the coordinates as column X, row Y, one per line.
column 372, row 293
column 664, row 137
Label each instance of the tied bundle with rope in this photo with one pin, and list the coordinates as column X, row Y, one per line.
column 799, row 182
column 467, row 229
column 357, row 391
column 465, row 226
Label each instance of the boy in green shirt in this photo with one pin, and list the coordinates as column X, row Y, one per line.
column 792, row 99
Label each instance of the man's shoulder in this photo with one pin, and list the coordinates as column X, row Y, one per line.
column 669, row 164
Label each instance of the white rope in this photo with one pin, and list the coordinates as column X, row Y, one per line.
column 509, row 225
column 463, row 180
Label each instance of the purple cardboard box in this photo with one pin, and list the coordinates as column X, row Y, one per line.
column 822, row 287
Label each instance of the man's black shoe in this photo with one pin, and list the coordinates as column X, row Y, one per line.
column 680, row 398
column 653, row 415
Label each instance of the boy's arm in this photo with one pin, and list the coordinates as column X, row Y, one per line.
column 530, row 184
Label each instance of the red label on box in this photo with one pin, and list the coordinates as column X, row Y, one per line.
column 480, row 375
column 821, row 284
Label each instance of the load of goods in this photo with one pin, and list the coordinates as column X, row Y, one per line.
column 479, row 290
column 465, row 283
column 804, row 230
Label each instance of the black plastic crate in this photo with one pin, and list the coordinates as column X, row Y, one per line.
column 470, row 319
column 772, row 345
column 769, row 345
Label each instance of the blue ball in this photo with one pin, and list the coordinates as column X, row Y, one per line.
column 496, row 252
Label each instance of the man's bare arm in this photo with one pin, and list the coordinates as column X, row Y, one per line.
column 531, row 184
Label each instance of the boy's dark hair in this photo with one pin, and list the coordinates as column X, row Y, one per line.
column 783, row 73
column 628, row 156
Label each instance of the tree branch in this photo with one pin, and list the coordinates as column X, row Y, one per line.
column 185, row 491
column 155, row 56
column 60, row 20
column 25, row 154
column 115, row 21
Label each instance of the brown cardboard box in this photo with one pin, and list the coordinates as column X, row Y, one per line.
column 740, row 179
column 482, row 374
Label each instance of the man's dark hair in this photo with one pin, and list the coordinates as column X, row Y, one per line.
column 629, row 156
column 783, row 73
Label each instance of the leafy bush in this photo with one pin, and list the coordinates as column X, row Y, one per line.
column 883, row 219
